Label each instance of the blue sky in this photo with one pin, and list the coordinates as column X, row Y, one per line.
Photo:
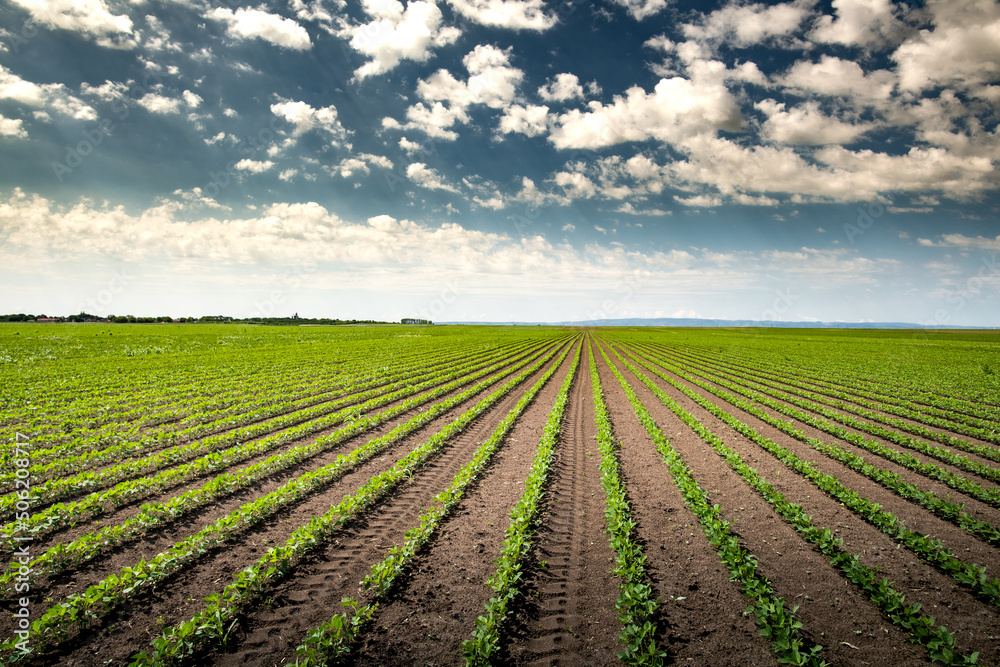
column 497, row 160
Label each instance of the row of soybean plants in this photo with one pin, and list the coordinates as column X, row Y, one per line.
column 869, row 409
column 944, row 370
column 212, row 455
column 901, row 404
column 79, row 611
column 333, row 640
column 155, row 515
column 753, row 404
column 773, row 617
column 892, row 435
column 922, row 629
column 252, row 399
column 184, row 641
column 279, row 414
column 636, row 602
column 801, row 411
column 929, row 549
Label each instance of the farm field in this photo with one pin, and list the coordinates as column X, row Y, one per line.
column 238, row 495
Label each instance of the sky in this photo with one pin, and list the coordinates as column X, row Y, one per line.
column 492, row 160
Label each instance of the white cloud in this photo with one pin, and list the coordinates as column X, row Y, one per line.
column 514, row 14
column 256, row 23
column 254, row 166
column 492, row 82
column 288, row 174
column 807, row 125
column 746, row 25
column 87, row 17
column 52, row 97
column 962, row 50
column 629, row 209
column 836, row 77
column 191, row 99
column 361, row 164
column 640, row 9
column 11, row 127
column 676, row 108
column 427, row 177
column 156, row 103
column 569, row 227
column 858, row 23
column 398, row 34
column 530, row 120
column 963, row 241
column 565, row 87
column 700, row 201
column 305, row 118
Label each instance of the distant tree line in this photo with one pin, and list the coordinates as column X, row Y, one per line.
column 216, row 319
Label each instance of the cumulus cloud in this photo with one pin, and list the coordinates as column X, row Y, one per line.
column 676, row 108
column 360, row 164
column 397, row 33
column 641, row 9
column 837, row 77
column 492, row 82
column 160, row 104
column 963, row 241
column 12, row 127
column 807, row 125
column 87, row 17
column 47, row 97
column 962, row 50
column 305, row 118
column 427, row 177
column 531, row 120
column 256, row 23
column 514, row 14
column 746, row 25
column 858, row 23
column 564, row 87
column 254, row 166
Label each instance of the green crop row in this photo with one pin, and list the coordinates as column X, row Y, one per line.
column 929, row 549
column 97, row 503
column 637, row 603
column 278, row 416
column 331, row 641
column 946, row 509
column 867, row 409
column 183, row 641
column 774, row 620
column 973, row 489
column 89, row 545
column 848, row 389
column 922, row 629
column 508, row 579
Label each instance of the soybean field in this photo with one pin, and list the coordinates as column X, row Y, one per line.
column 189, row 494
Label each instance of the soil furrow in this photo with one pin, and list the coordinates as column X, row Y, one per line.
column 953, row 606
column 831, row 609
column 571, row 619
column 313, row 592
column 701, row 609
